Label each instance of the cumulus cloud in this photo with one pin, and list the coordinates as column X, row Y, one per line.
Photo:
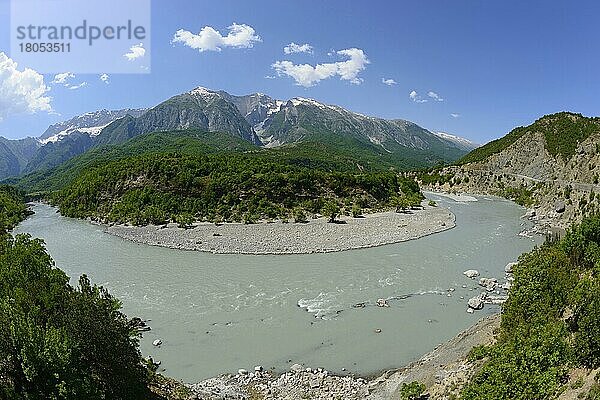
column 136, row 51
column 307, row 75
column 454, row 115
column 21, row 92
column 389, row 82
column 414, row 96
column 434, row 96
column 64, row 79
column 61, row 79
column 209, row 39
column 105, row 78
column 297, row 48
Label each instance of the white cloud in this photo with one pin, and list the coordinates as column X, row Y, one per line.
column 136, row 51
column 21, row 91
column 434, row 96
column 75, row 87
column 454, row 115
column 239, row 36
column 105, row 78
column 307, row 75
column 414, row 96
column 64, row 78
column 389, row 82
column 297, row 48
column 61, row 79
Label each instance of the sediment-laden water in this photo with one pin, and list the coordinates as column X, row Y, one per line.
column 218, row 313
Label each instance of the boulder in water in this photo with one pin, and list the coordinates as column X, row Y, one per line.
column 471, row 273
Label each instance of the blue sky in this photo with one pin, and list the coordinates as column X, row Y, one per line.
column 495, row 64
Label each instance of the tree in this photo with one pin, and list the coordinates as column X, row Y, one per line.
column 185, row 220
column 412, row 391
column 299, row 215
column 356, row 211
column 402, row 203
column 60, row 342
column 331, row 210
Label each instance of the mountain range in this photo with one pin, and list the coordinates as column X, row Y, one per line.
column 255, row 118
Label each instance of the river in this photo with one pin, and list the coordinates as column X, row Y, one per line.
column 218, row 313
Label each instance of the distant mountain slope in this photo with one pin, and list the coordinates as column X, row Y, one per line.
column 197, row 109
column 15, row 154
column 553, row 163
column 262, row 120
column 58, row 143
column 462, row 143
column 185, row 142
column 342, row 155
column 90, row 123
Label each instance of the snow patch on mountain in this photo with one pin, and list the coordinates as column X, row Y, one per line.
column 459, row 141
column 90, row 123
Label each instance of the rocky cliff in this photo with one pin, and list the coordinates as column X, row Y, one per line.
column 551, row 167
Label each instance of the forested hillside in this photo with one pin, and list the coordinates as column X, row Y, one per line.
column 164, row 187
column 550, row 323
column 59, row 341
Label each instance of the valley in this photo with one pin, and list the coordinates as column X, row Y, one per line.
column 323, row 232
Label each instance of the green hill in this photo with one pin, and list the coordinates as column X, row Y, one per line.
column 562, row 133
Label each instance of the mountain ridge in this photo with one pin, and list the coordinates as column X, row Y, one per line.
column 271, row 122
column 256, row 118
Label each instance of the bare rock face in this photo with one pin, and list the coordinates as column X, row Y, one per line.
column 559, row 207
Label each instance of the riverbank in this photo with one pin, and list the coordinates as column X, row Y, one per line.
column 443, row 371
column 315, row 236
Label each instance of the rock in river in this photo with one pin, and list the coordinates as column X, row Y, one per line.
column 476, row 303
column 471, row 273
column 509, row 267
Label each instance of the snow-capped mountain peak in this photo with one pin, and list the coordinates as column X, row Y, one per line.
column 459, row 141
column 90, row 123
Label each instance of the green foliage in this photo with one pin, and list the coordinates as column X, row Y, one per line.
column 60, row 342
column 412, row 391
column 537, row 342
column 432, row 203
column 57, row 341
column 299, row 215
column 594, row 393
column 433, row 177
column 562, row 132
column 158, row 188
column 521, row 195
column 12, row 208
column 493, row 147
column 478, row 353
column 331, row 210
column 356, row 210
